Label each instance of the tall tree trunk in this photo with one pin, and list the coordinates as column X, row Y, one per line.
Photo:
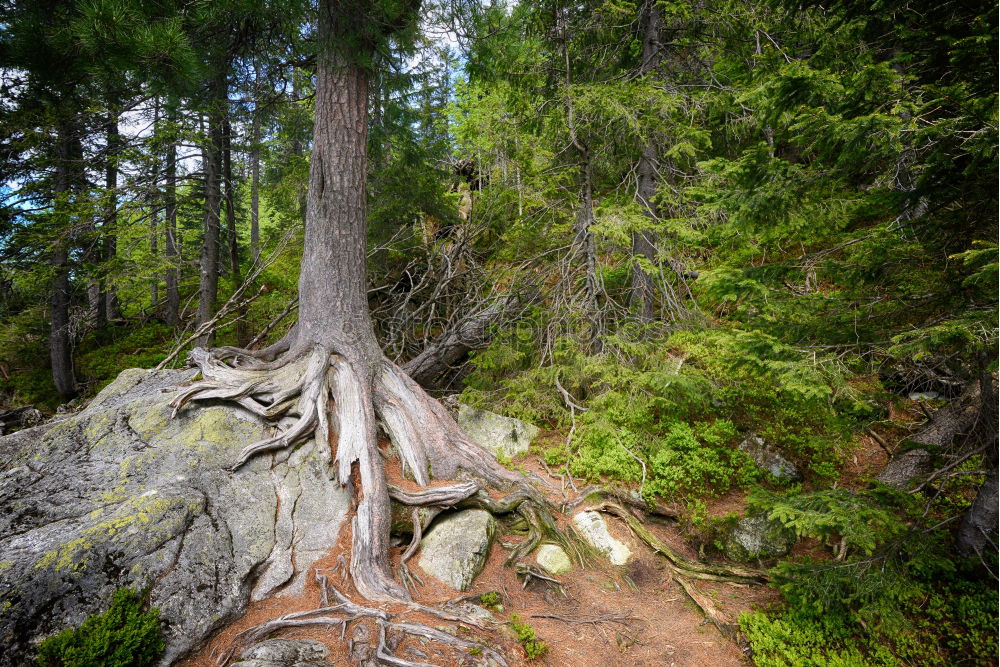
column 154, row 209
column 242, row 334
column 583, row 242
column 227, row 182
column 586, row 244
column 643, row 295
column 212, row 167
column 333, row 301
column 111, row 212
column 255, row 187
column 331, row 360
column 172, row 308
column 68, row 165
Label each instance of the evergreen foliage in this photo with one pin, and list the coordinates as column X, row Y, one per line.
column 123, row 636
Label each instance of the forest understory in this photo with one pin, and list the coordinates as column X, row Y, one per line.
column 737, row 261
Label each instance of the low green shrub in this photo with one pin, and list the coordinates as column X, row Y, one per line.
column 123, row 636
column 533, row 646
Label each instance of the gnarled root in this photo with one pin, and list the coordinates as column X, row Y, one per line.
column 335, row 398
column 339, row 612
column 684, row 570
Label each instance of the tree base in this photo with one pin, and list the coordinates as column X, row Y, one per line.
column 313, row 392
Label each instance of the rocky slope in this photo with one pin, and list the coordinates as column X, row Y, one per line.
column 120, row 494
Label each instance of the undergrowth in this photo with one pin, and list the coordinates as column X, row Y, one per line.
column 123, row 636
column 532, row 645
column 680, row 405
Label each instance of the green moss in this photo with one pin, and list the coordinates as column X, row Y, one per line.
column 491, row 601
column 123, row 636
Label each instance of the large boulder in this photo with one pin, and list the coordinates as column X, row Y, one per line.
column 457, row 546
column 122, row 495
column 503, row 436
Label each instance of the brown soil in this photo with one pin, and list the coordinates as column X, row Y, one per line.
column 601, row 617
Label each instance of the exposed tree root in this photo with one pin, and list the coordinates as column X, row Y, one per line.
column 340, row 400
column 684, row 570
column 592, row 494
column 681, row 566
column 339, row 611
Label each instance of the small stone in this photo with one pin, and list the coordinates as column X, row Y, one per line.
column 594, row 530
column 758, row 538
column 457, row 546
column 769, row 459
column 496, row 433
column 553, row 559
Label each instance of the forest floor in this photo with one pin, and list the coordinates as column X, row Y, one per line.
column 600, row 616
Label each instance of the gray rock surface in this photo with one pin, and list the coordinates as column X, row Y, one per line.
column 594, row 530
column 285, row 653
column 121, row 495
column 758, row 538
column 496, row 433
column 769, row 459
column 457, row 546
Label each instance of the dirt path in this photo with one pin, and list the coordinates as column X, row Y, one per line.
column 603, row 616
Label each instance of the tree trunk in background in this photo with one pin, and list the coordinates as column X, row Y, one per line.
column 172, row 308
column 643, row 295
column 255, row 187
column 978, row 531
column 242, row 334
column 111, row 212
column 583, row 241
column 211, row 164
column 154, row 209
column 68, row 167
column 585, row 244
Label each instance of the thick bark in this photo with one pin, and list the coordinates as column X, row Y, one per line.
column 643, row 294
column 171, row 249
column 333, row 302
column 68, row 164
column 978, row 530
column 208, row 284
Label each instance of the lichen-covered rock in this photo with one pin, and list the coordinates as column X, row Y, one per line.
column 758, row 538
column 552, row 559
column 501, row 435
column 594, row 530
column 457, row 546
column 285, row 653
column 122, row 495
column 769, row 459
